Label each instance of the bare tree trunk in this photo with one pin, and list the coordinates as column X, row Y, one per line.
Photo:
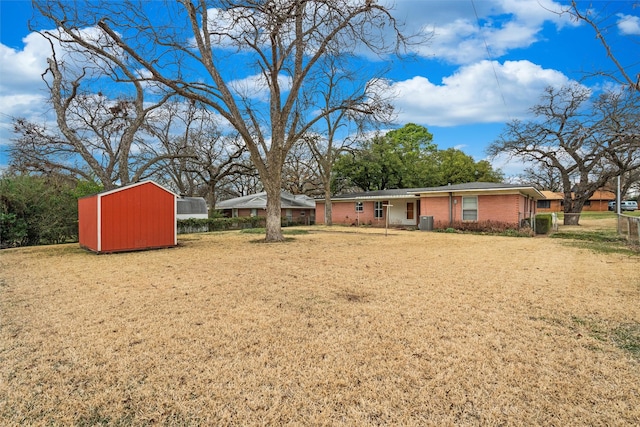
column 274, row 213
column 571, row 218
column 572, row 210
column 328, row 220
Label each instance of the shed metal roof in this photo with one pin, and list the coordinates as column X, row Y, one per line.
column 128, row 186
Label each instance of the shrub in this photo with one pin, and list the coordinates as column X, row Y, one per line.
column 196, row 225
column 37, row 210
column 543, row 223
column 485, row 227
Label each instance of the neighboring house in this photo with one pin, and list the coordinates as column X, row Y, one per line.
column 447, row 205
column 134, row 217
column 295, row 208
column 192, row 207
column 554, row 201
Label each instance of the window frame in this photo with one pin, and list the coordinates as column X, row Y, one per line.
column 546, row 203
column 378, row 210
column 359, row 206
column 467, row 210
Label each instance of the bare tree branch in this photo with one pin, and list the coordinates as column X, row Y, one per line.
column 276, row 38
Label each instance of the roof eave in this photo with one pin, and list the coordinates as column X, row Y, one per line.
column 529, row 191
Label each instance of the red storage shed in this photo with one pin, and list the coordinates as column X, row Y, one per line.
column 135, row 217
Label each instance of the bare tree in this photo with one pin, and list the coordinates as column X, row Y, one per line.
column 598, row 21
column 282, row 42
column 96, row 136
column 586, row 143
column 299, row 174
column 542, row 177
column 629, row 183
column 202, row 156
column 243, row 184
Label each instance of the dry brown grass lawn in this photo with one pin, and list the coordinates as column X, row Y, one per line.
column 331, row 328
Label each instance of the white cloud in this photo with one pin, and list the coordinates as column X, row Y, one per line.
column 21, row 69
column 464, row 31
column 256, row 86
column 463, row 42
column 22, row 91
column 474, row 95
column 219, row 22
column 510, row 167
column 629, row 24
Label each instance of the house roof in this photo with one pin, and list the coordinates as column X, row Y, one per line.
column 379, row 194
column 552, row 195
column 259, row 201
column 598, row 195
column 483, row 187
column 470, row 187
column 603, row 195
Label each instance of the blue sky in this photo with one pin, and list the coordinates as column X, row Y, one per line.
column 486, row 64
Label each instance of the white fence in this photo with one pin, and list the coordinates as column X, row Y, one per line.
column 629, row 226
column 554, row 221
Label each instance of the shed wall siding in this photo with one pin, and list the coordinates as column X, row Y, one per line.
column 88, row 222
column 140, row 217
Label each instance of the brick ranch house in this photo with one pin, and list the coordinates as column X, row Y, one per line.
column 300, row 209
column 447, row 205
column 553, row 201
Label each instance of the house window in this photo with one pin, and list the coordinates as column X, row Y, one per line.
column 544, row 204
column 254, row 212
column 359, row 206
column 289, row 214
column 470, row 208
column 587, row 203
column 234, row 213
column 377, row 209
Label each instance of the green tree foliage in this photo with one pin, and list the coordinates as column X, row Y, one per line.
column 401, row 158
column 456, row 167
column 40, row 210
column 407, row 158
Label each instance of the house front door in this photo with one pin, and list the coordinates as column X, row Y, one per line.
column 409, row 210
